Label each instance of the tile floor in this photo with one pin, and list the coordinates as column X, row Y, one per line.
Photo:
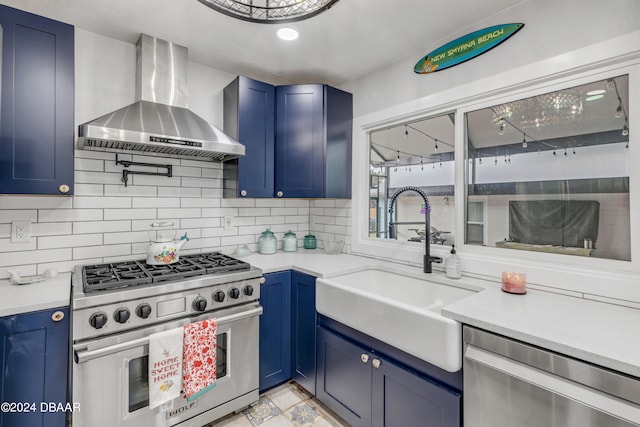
column 283, row 406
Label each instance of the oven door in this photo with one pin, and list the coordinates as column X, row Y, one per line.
column 110, row 376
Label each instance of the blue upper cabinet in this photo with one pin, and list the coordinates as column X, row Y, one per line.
column 313, row 142
column 34, row 362
column 249, row 117
column 36, row 109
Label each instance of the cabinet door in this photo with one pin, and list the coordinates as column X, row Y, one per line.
column 299, row 141
column 35, row 355
column 338, row 113
column 344, row 378
column 36, row 111
column 303, row 325
column 402, row 398
column 275, row 330
column 249, row 116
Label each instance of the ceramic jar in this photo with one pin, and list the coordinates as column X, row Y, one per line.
column 289, row 242
column 267, row 243
column 309, row 241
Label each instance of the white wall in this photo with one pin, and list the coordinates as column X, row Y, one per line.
column 105, row 221
column 551, row 28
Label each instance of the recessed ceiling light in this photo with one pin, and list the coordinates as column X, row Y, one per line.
column 287, row 34
column 596, row 92
column 593, row 97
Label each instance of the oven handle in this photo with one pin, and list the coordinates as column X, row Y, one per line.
column 83, row 355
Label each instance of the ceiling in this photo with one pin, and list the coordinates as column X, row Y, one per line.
column 351, row 39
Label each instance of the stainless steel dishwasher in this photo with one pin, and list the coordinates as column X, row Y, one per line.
column 511, row 384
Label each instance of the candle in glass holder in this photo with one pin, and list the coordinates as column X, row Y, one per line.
column 514, row 283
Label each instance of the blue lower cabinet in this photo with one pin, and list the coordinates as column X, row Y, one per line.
column 402, row 398
column 275, row 330
column 34, row 356
column 343, row 378
column 368, row 390
column 303, row 330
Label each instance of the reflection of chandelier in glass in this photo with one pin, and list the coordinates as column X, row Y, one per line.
column 270, row 11
column 538, row 111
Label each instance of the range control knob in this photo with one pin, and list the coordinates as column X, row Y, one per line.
column 199, row 304
column 98, row 320
column 121, row 315
column 234, row 293
column 248, row 290
column 143, row 311
column 218, row 296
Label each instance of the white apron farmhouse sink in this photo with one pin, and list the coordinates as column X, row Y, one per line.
column 399, row 309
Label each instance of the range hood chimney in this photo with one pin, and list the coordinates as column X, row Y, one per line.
column 159, row 123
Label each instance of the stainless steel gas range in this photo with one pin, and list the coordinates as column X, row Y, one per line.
column 117, row 306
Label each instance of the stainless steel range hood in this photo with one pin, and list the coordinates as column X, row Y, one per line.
column 159, row 123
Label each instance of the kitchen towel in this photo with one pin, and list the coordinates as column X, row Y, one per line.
column 199, row 358
column 165, row 366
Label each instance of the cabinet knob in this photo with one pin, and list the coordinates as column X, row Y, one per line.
column 364, row 357
column 279, row 194
column 376, row 363
column 262, row 280
column 57, row 316
column 64, row 188
column 243, row 193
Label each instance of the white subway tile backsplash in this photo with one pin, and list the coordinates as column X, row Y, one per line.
column 254, row 211
column 101, row 251
column 65, row 215
column 107, row 222
column 160, row 181
column 157, row 160
column 131, row 190
column 179, row 192
column 212, row 173
column 156, row 202
column 201, row 182
column 199, row 203
column 283, row 211
column 50, row 228
column 127, row 237
column 89, row 165
column 69, row 241
column 7, row 246
column 180, row 213
column 97, row 178
column 42, row 202
column 188, row 171
column 88, row 189
column 212, row 192
column 7, row 215
column 83, row 202
column 101, row 226
column 114, row 214
column 238, row 203
column 34, row 257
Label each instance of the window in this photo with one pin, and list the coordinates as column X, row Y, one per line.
column 414, row 154
column 553, row 171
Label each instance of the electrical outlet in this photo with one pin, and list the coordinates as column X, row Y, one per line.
column 228, row 222
column 20, row 231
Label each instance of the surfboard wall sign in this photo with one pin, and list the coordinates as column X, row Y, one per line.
column 465, row 48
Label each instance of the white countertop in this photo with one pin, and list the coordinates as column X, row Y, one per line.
column 50, row 293
column 600, row 333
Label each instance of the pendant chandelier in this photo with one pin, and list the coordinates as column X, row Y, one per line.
column 270, row 11
column 539, row 111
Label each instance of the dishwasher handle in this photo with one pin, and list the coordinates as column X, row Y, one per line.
column 588, row 396
column 611, row 382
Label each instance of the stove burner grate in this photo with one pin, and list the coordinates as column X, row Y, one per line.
column 100, row 277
